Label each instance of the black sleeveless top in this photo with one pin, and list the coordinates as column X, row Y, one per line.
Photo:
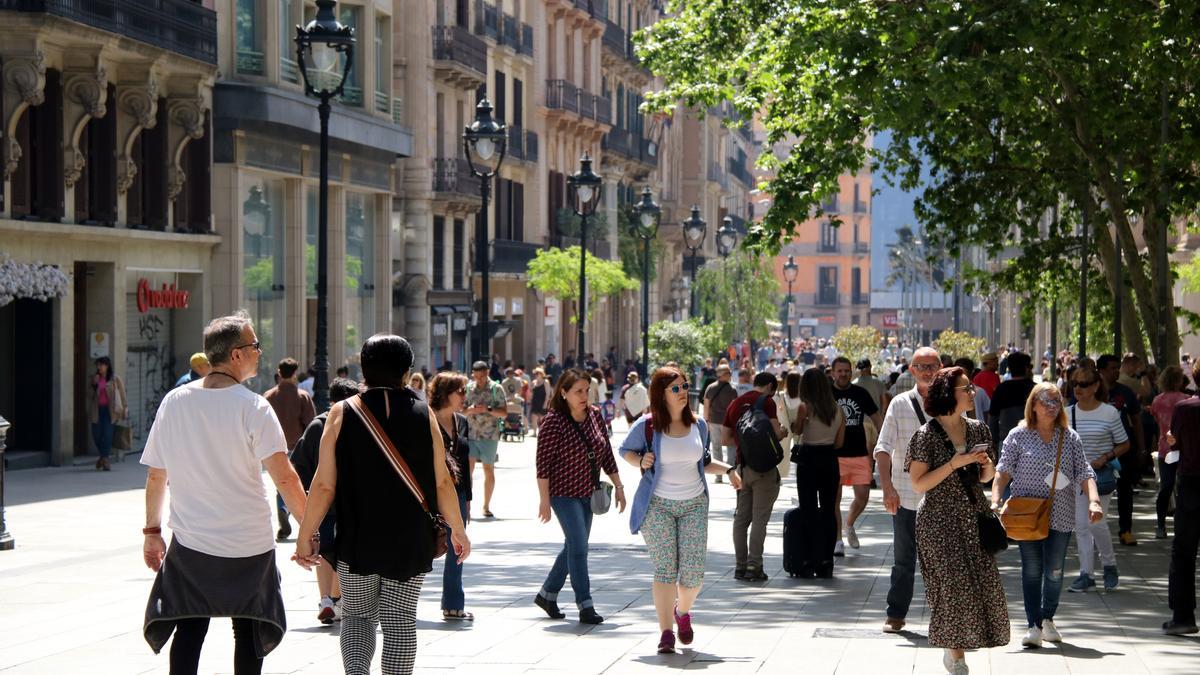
column 381, row 527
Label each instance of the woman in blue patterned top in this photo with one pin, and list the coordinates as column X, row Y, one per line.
column 1027, row 461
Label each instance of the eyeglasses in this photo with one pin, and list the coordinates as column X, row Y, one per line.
column 460, row 392
column 1084, row 385
column 969, row 388
column 676, row 388
column 256, row 346
column 925, row 367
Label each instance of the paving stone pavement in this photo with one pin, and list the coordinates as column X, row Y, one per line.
column 73, row 593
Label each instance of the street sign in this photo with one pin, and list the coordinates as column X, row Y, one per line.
column 891, row 321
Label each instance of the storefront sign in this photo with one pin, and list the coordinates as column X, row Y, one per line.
column 891, row 321
column 168, row 297
column 99, row 345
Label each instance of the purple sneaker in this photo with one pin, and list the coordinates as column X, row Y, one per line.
column 666, row 644
column 685, row 627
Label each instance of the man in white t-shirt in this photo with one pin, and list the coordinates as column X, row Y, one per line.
column 211, row 441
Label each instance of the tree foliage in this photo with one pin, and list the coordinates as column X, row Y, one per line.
column 957, row 344
column 1011, row 108
column 687, row 342
column 857, row 342
column 555, row 272
column 739, row 294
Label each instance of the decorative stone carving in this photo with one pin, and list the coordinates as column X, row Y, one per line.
column 140, row 101
column 27, row 77
column 188, row 114
column 175, row 180
column 73, row 166
column 88, row 89
column 126, row 172
column 12, row 156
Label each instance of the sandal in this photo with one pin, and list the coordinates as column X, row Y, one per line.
column 488, row 514
column 457, row 615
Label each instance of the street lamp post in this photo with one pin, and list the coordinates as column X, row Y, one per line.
column 485, row 142
column 323, row 42
column 585, row 184
column 646, row 228
column 726, row 241
column 790, row 270
column 694, row 232
column 6, row 539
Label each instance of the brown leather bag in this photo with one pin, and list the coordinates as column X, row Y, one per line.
column 1028, row 518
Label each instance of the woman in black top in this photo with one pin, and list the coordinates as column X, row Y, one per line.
column 383, row 544
column 447, row 396
column 539, row 392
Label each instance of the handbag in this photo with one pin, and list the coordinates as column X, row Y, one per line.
column 122, row 430
column 992, row 536
column 437, row 523
column 602, row 490
column 1028, row 518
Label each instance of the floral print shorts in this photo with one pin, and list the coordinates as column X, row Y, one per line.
column 676, row 532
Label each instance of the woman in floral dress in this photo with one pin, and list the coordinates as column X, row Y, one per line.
column 948, row 459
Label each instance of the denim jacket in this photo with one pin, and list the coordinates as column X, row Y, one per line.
column 635, row 441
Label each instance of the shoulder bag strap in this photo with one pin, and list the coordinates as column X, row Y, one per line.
column 1057, row 458
column 393, row 456
column 591, row 454
column 917, row 409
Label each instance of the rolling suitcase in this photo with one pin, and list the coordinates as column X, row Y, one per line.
column 793, row 536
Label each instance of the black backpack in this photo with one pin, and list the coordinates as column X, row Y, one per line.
column 756, row 438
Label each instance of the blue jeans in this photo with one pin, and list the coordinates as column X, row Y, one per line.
column 102, row 432
column 575, row 516
column 452, row 573
column 1042, row 564
column 904, row 568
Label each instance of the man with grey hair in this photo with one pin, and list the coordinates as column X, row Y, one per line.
column 905, row 414
column 211, row 441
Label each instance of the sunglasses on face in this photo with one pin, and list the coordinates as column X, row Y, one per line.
column 256, row 346
column 1084, row 385
column 676, row 388
column 1050, row 403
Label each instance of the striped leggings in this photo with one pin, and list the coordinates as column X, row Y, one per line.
column 371, row 599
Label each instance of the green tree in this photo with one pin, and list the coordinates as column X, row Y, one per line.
column 687, row 342
column 740, row 294
column 957, row 344
column 857, row 342
column 1012, row 108
column 555, row 272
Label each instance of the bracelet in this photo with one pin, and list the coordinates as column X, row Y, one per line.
column 619, row 487
column 151, row 530
column 729, row 470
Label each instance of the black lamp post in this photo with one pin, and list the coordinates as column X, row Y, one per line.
column 6, row 539
column 790, row 270
column 323, row 42
column 694, row 232
column 484, row 143
column 726, row 237
column 585, row 184
column 646, row 228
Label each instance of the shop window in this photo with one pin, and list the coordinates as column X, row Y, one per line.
column 248, row 27
column 359, row 305
column 439, row 252
column 263, row 273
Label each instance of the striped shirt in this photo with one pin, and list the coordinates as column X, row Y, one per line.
column 1100, row 429
column 899, row 426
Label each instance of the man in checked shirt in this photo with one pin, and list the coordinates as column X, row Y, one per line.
column 905, row 414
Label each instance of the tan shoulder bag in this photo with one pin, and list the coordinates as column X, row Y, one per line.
column 1028, row 518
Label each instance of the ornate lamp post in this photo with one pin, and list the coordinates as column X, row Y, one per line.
column 694, row 232
column 585, row 184
column 726, row 237
column 646, row 228
column 790, row 270
column 484, row 143
column 679, row 296
column 323, row 43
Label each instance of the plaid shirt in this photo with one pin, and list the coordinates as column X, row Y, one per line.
column 899, row 426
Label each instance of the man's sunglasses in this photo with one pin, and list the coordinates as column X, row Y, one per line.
column 256, row 345
column 676, row 388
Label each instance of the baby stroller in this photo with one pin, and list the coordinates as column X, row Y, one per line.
column 512, row 429
column 608, row 409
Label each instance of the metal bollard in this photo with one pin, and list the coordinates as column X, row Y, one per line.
column 6, row 541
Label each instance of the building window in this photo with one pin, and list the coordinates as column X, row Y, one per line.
column 829, row 239
column 827, row 286
column 382, row 71
column 263, row 273
column 460, row 252
column 360, row 271
column 248, row 26
column 439, row 252
column 288, row 69
column 352, row 94
column 856, row 285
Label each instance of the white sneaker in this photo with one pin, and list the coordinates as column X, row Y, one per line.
column 839, row 550
column 852, row 537
column 1033, row 638
column 337, row 610
column 325, row 611
column 1050, row 632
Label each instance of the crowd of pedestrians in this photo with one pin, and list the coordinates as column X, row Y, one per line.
column 382, row 484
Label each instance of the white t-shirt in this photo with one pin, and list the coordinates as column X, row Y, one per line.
column 677, row 460
column 1100, row 429
column 212, row 442
column 637, row 399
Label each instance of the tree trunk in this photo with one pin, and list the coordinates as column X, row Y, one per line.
column 1131, row 330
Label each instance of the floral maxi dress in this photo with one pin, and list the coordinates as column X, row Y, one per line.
column 962, row 584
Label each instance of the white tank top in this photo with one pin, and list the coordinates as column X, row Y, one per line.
column 677, row 462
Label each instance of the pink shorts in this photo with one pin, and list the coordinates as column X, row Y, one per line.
column 855, row 470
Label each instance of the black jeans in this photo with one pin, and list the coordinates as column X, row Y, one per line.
column 189, row 638
column 817, row 478
column 1131, row 473
column 1181, row 582
column 1166, row 487
column 904, row 568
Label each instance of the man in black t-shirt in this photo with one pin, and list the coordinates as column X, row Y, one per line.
column 1008, row 403
column 857, row 405
column 1126, row 402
